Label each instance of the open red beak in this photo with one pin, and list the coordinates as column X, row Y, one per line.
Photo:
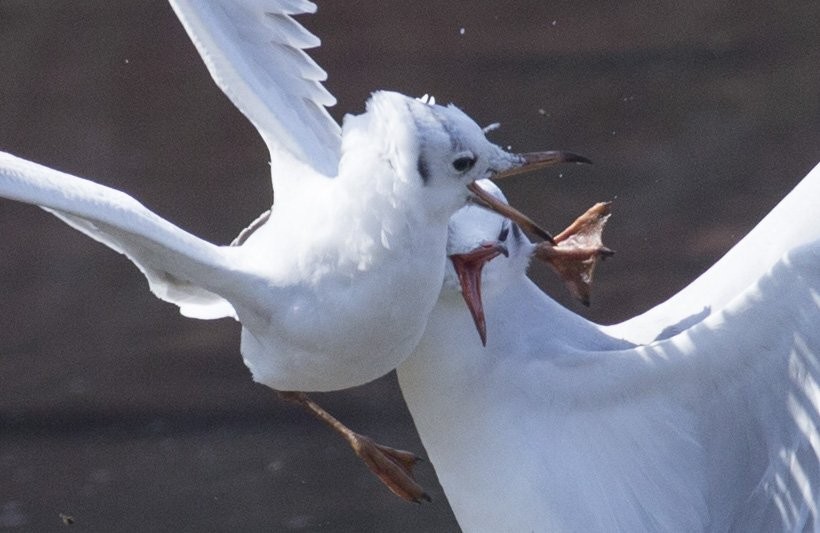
column 468, row 268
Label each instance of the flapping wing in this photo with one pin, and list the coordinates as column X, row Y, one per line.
column 713, row 429
column 181, row 268
column 738, row 362
column 254, row 51
column 793, row 222
column 747, row 381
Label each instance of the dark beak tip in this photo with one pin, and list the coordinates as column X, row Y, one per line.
column 570, row 157
column 481, row 327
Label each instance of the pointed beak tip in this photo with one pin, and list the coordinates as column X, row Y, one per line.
column 537, row 160
column 580, row 159
column 530, row 161
column 481, row 328
column 480, row 325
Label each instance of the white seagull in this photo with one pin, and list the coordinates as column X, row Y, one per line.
column 334, row 284
column 700, row 415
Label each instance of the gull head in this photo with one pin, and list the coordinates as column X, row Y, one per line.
column 436, row 150
column 476, row 236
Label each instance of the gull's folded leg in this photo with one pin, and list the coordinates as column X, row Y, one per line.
column 393, row 467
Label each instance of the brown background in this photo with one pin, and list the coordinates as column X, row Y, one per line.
column 116, row 410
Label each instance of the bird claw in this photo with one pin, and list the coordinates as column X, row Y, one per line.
column 577, row 250
column 393, row 467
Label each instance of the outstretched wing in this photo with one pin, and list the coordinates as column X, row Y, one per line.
column 747, row 382
column 254, row 52
column 755, row 375
column 793, row 222
column 713, row 429
column 738, row 357
column 182, row 269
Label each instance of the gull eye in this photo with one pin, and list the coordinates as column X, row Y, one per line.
column 504, row 232
column 464, row 163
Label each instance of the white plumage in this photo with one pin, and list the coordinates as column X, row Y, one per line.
column 699, row 415
column 333, row 287
column 644, row 328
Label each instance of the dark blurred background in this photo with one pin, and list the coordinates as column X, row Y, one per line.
column 117, row 411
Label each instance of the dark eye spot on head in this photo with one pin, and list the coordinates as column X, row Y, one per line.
column 463, row 164
column 424, row 170
column 504, row 232
column 516, row 232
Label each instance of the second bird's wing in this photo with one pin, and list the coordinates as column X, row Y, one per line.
column 793, row 222
column 712, row 429
column 740, row 348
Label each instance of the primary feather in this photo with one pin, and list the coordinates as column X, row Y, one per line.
column 254, row 51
